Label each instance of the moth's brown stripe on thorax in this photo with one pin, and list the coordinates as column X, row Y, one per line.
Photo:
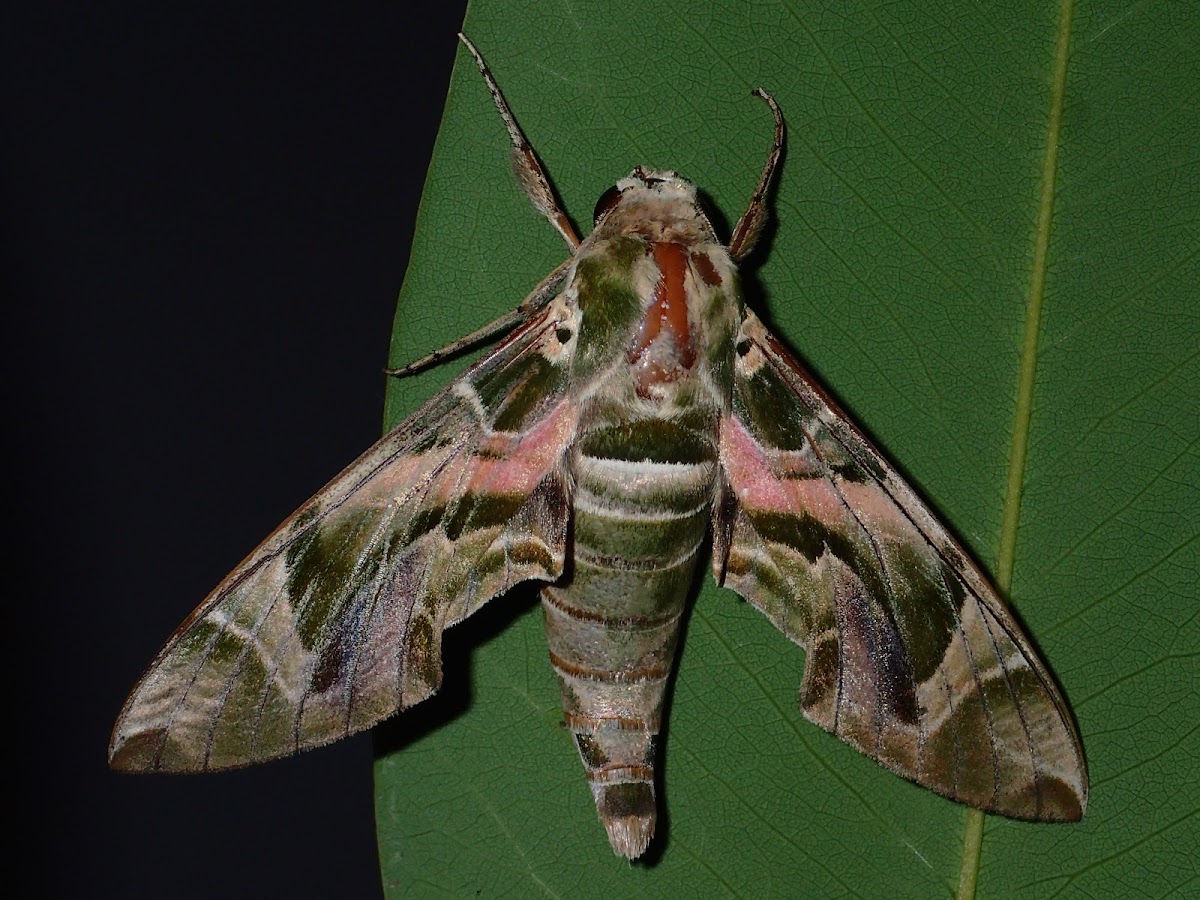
column 704, row 267
column 665, row 322
column 621, row 622
column 625, row 676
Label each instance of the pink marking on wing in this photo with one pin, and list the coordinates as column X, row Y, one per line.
column 755, row 473
column 524, row 462
column 748, row 469
column 510, row 466
column 880, row 512
column 399, row 475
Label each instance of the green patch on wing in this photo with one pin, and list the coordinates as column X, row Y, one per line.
column 423, row 521
column 812, row 538
column 231, row 738
column 226, row 650
column 516, row 393
column 482, row 511
column 928, row 616
column 328, row 564
column 195, row 640
column 768, row 406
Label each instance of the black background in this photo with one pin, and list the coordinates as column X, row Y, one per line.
column 206, row 212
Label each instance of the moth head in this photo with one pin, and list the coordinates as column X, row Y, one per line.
column 650, row 195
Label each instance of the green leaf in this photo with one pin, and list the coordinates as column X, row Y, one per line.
column 901, row 267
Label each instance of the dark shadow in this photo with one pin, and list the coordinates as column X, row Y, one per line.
column 454, row 697
column 752, row 289
column 716, row 215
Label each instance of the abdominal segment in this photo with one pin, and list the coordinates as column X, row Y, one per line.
column 612, row 621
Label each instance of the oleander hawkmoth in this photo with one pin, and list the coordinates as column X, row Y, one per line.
column 635, row 414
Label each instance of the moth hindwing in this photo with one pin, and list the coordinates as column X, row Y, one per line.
column 634, row 407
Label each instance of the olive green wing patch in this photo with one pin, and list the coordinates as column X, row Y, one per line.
column 335, row 622
column 911, row 656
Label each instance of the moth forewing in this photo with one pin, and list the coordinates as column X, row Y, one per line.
column 911, row 656
column 335, row 621
column 635, row 407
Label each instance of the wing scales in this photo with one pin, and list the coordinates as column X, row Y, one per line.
column 911, row 656
column 335, row 621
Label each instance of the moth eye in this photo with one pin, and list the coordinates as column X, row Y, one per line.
column 743, row 347
column 606, row 202
column 563, row 335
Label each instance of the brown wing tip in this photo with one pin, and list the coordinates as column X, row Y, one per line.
column 1054, row 800
column 628, row 813
column 137, row 752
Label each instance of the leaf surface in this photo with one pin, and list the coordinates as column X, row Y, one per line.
column 900, row 268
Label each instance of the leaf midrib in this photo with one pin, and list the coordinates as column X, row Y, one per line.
column 1023, row 416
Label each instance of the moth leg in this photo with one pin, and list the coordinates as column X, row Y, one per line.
column 526, row 165
column 539, row 297
column 750, row 225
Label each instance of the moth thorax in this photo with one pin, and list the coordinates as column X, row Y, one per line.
column 664, row 348
column 658, row 220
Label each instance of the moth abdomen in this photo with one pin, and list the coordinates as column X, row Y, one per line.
column 641, row 514
column 613, row 672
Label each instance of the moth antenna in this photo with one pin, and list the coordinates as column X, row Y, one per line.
column 526, row 165
column 750, row 225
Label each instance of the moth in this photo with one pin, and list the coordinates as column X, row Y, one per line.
column 636, row 413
